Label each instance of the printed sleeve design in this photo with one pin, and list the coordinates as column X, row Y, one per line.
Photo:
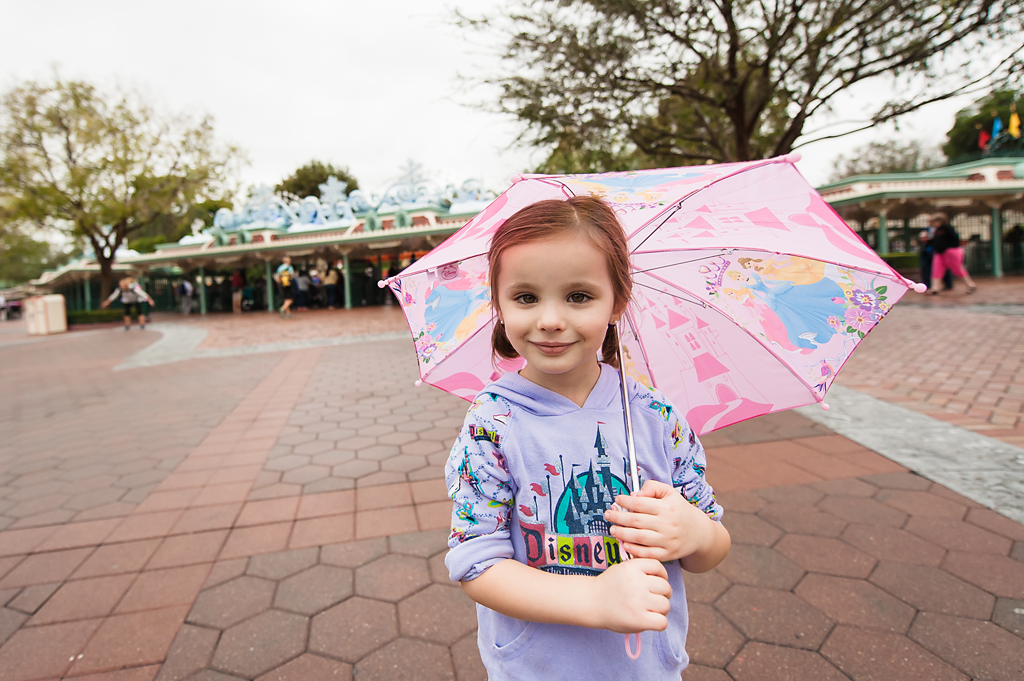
column 688, row 459
column 688, row 465
column 480, row 486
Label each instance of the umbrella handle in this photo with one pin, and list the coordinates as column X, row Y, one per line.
column 629, row 648
column 634, row 477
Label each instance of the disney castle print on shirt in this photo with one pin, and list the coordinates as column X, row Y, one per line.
column 569, row 535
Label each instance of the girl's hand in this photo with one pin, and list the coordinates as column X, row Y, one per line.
column 633, row 596
column 660, row 524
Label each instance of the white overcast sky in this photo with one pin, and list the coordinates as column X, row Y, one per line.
column 367, row 85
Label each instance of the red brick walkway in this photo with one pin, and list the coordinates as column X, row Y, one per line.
column 948, row 358
column 843, row 565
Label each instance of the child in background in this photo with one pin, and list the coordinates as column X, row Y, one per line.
column 543, row 518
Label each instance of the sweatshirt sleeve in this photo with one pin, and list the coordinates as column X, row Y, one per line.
column 688, row 466
column 480, row 486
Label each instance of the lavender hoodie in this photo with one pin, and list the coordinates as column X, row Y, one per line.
column 531, row 475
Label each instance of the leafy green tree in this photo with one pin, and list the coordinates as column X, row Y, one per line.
column 101, row 167
column 169, row 229
column 962, row 138
column 23, row 257
column 306, row 181
column 888, row 157
column 632, row 83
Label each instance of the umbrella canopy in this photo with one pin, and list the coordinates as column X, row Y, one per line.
column 750, row 292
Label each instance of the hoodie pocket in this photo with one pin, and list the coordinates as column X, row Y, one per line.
column 518, row 644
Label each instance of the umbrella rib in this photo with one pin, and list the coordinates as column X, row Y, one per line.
column 669, row 212
column 694, row 299
column 674, row 264
column 726, row 249
column 643, row 349
column 757, row 340
column 471, row 336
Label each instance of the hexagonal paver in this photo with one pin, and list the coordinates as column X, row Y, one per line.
column 306, row 474
column 355, row 469
column 745, row 528
column 760, row 662
column 283, row 563
column 774, row 616
column 260, row 644
column 704, row 587
column 710, row 639
column 957, row 535
column 378, row 452
column 333, row 458
column 802, row 520
column 231, row 602
column 859, row 510
column 407, row 660
column 352, row 629
column 310, row 668
column 314, row 590
column 866, row 654
column 421, row 544
column 1009, row 614
column 286, row 463
column 908, row 480
column 827, row 555
column 354, row 553
column 760, row 566
column 932, row 590
column 315, row 447
column 803, row 495
column 889, row 543
column 922, row 504
column 981, row 649
column 418, row 615
column 392, row 577
column 466, row 658
column 856, row 602
column 999, row 575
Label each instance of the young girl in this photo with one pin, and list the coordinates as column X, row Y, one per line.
column 543, row 518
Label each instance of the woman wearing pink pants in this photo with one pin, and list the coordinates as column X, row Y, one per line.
column 948, row 254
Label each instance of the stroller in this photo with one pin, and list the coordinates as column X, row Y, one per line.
column 248, row 299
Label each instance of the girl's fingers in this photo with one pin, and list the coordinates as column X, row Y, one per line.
column 640, row 505
column 637, row 536
column 638, row 551
column 660, row 587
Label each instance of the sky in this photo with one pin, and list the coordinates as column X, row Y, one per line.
column 365, row 85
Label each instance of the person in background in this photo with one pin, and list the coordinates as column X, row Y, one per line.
column 331, row 286
column 132, row 297
column 1015, row 237
column 237, row 284
column 185, row 291
column 303, row 282
column 285, row 276
column 948, row 254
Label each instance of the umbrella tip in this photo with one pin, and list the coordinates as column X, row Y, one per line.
column 792, row 157
column 920, row 288
column 518, row 177
column 824, row 406
column 418, row 383
column 382, row 283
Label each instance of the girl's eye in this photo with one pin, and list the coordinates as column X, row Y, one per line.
column 578, row 297
column 526, row 298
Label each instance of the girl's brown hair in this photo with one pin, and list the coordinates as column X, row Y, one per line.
column 586, row 216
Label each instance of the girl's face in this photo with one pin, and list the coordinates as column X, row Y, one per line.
column 556, row 300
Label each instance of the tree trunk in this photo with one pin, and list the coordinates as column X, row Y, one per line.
column 106, row 275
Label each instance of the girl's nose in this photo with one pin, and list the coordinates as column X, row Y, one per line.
column 551, row 318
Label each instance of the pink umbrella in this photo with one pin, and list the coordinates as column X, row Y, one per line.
column 750, row 291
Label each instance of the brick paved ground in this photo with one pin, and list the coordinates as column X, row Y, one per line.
column 298, row 532
column 953, row 357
